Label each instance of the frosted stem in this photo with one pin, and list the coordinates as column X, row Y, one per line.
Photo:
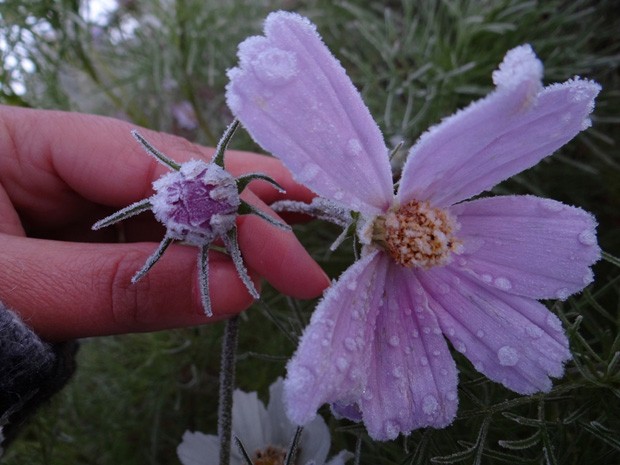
column 163, row 245
column 203, row 279
column 130, row 210
column 358, row 450
column 232, row 247
column 218, row 158
column 227, row 382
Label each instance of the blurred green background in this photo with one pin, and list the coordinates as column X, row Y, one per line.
column 162, row 64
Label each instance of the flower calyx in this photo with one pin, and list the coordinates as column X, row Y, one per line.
column 198, row 203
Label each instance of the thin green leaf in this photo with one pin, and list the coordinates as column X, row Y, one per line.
column 159, row 156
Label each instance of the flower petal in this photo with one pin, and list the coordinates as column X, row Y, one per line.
column 340, row 458
column 412, row 378
column 195, row 446
column 315, row 439
column 510, row 130
column 295, row 99
column 527, row 245
column 511, row 339
column 332, row 359
column 250, row 422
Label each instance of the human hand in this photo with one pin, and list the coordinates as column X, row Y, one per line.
column 60, row 172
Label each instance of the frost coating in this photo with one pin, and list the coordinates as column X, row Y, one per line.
column 376, row 345
column 198, row 203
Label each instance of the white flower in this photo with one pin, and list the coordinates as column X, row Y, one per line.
column 266, row 434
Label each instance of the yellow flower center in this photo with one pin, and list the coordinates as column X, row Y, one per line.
column 271, row 455
column 417, row 235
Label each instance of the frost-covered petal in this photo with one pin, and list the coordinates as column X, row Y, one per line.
column 527, row 245
column 315, row 439
column 250, row 421
column 295, row 99
column 510, row 130
column 332, row 359
column 340, row 458
column 196, row 447
column 412, row 380
column 511, row 339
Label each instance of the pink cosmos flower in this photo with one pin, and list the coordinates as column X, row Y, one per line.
column 434, row 265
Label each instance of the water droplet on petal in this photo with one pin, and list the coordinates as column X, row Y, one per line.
column 429, row 405
column 274, row 66
column 391, row 429
column 480, row 333
column 554, row 322
column 443, row 289
column 398, row 372
column 460, row 346
column 479, row 365
column 534, row 331
column 443, row 371
column 353, row 148
column 437, row 331
column 562, row 293
column 423, row 361
column 503, row 283
column 338, row 195
column 394, row 341
column 415, row 333
column 407, row 311
column 350, row 344
column 309, row 172
column 451, row 395
column 451, row 331
column 507, row 356
column 487, row 278
column 551, row 205
column 426, row 330
column 436, row 353
column 342, row 363
column 587, row 237
column 352, row 285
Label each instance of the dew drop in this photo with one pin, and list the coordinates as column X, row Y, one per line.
column 503, row 283
column 415, row 333
column 443, row 371
column 437, row 331
column 507, row 356
column 423, row 361
column 479, row 365
column 391, row 429
column 534, row 331
column 554, row 322
column 587, row 237
column 398, row 372
column 350, row 344
column 487, row 278
column 426, row 330
column 352, row 285
column 338, row 195
column 460, row 346
column 342, row 363
column 429, row 405
column 309, row 172
column 562, row 293
column 443, row 289
column 480, row 333
column 407, row 311
column 436, row 353
column 325, row 342
column 551, row 205
column 451, row 395
column 275, row 66
column 353, row 148
column 451, row 332
column 394, row 341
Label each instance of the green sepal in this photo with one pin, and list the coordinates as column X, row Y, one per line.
column 130, row 210
column 218, row 158
column 243, row 181
column 159, row 156
column 247, row 209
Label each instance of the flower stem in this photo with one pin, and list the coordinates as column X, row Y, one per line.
column 227, row 382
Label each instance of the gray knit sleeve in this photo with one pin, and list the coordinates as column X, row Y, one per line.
column 31, row 371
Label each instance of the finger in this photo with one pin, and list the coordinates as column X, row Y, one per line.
column 9, row 219
column 75, row 290
column 278, row 256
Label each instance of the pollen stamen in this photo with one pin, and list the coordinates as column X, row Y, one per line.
column 417, row 235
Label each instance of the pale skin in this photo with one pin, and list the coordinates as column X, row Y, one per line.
column 60, row 172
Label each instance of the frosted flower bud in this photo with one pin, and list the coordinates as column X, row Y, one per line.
column 198, row 203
